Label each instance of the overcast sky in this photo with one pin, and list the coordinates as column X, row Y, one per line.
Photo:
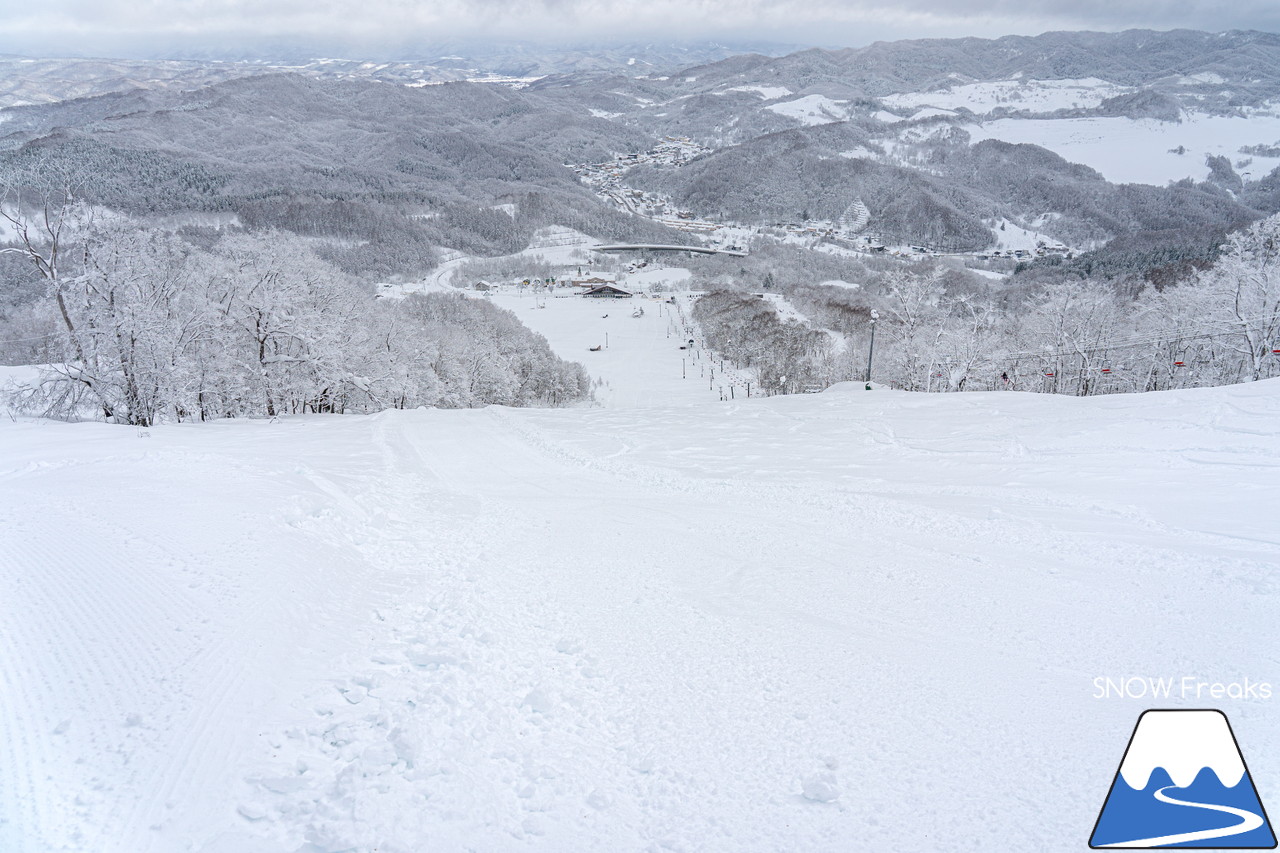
column 386, row 27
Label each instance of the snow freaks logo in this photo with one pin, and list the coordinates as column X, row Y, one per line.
column 1186, row 687
column 1183, row 783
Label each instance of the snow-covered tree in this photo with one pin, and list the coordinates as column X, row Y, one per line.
column 1243, row 294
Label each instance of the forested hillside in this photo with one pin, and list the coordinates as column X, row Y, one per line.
column 388, row 172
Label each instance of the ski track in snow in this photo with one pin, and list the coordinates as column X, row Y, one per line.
column 826, row 622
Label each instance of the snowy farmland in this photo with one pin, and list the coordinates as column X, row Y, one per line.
column 812, row 110
column 1145, row 151
column 845, row 621
column 1020, row 94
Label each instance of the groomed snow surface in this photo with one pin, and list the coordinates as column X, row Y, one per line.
column 642, row 361
column 842, row 621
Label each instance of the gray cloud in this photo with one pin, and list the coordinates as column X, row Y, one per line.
column 154, row 27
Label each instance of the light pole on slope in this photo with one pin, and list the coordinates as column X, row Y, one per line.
column 875, row 315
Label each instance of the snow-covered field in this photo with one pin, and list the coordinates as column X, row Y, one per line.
column 812, row 109
column 1143, row 151
column 1020, row 94
column 832, row 622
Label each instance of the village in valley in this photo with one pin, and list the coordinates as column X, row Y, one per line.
column 851, row 232
column 627, row 307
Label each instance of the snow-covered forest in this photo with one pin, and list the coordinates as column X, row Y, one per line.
column 140, row 325
column 1081, row 337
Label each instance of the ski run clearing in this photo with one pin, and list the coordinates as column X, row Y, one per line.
column 828, row 622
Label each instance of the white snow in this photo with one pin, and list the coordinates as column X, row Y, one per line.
column 1183, row 743
column 1203, row 78
column 769, row 93
column 859, row 153
column 850, row 619
column 640, row 362
column 1141, row 151
column 15, row 377
column 1021, row 94
column 555, row 245
column 812, row 110
column 1009, row 236
column 821, row 787
column 566, row 244
column 651, row 277
column 930, row 112
column 787, row 312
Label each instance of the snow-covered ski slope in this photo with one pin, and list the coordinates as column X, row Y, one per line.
column 845, row 621
column 640, row 361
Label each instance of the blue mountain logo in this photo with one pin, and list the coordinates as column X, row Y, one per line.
column 1183, row 783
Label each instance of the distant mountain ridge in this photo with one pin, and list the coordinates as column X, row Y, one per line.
column 37, row 80
column 383, row 174
column 367, row 153
column 1131, row 58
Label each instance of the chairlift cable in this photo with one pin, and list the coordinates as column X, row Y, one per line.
column 1219, row 329
column 25, row 340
